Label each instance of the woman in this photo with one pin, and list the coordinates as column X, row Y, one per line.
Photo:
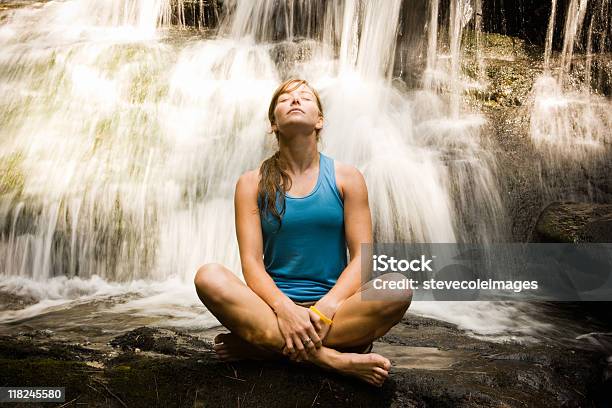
column 301, row 299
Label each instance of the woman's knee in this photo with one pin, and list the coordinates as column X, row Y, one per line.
column 392, row 287
column 211, row 281
column 395, row 310
column 398, row 298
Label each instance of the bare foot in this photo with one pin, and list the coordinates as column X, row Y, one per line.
column 371, row 368
column 230, row 347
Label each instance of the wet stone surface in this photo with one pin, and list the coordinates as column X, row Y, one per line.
column 434, row 364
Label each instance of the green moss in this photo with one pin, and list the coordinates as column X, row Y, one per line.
column 38, row 372
column 113, row 58
column 123, row 368
column 147, row 86
column 11, row 176
column 493, row 45
column 145, row 70
column 144, row 381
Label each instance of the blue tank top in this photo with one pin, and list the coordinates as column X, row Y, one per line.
column 308, row 254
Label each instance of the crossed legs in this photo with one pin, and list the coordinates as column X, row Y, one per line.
column 255, row 330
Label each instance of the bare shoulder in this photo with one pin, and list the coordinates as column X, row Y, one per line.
column 248, row 182
column 346, row 170
column 349, row 179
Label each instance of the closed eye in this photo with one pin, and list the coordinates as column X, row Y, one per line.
column 305, row 96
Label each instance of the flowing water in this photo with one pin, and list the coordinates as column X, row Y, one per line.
column 123, row 136
column 569, row 122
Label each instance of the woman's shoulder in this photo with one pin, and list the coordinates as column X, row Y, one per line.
column 346, row 175
column 249, row 181
column 346, row 171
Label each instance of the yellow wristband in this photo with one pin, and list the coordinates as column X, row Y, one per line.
column 325, row 319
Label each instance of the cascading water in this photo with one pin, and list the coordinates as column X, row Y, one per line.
column 456, row 131
column 123, row 138
column 570, row 121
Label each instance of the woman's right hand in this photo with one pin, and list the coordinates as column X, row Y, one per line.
column 295, row 325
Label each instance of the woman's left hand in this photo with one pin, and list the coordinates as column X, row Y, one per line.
column 328, row 310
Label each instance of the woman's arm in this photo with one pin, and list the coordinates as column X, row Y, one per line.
column 357, row 230
column 250, row 242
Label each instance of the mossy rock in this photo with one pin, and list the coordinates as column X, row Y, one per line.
column 11, row 177
column 569, row 222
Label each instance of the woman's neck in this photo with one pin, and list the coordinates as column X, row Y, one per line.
column 300, row 154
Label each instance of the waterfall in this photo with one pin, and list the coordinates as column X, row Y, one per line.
column 125, row 133
column 125, row 145
column 432, row 44
column 570, row 122
column 378, row 38
column 549, row 35
column 575, row 17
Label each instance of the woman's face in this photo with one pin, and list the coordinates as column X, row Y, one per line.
column 297, row 112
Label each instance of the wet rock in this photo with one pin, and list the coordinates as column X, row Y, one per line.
column 197, row 13
column 27, row 346
column 286, row 55
column 11, row 301
column 37, row 333
column 13, row 4
column 574, row 222
column 434, row 364
column 598, row 230
column 161, row 341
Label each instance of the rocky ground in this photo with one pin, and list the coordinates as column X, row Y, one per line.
column 434, row 364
